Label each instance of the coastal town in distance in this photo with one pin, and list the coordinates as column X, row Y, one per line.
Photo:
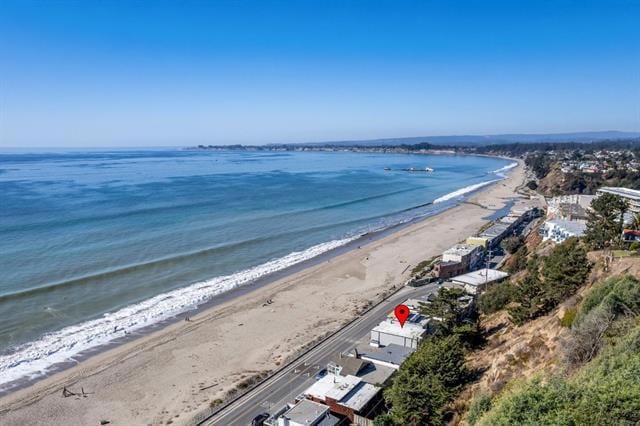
column 335, row 213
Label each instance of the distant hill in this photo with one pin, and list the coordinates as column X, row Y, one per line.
column 471, row 140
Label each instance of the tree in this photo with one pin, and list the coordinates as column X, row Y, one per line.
column 564, row 270
column 426, row 381
column 605, row 221
column 446, row 308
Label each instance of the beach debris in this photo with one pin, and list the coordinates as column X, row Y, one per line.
column 105, row 422
column 67, row 393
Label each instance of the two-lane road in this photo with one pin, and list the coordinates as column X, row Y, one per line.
column 296, row 376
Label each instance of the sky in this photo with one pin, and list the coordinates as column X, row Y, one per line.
column 171, row 73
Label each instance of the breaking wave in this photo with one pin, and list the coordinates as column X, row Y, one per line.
column 35, row 358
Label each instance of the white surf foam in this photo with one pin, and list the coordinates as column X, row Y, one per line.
column 35, row 358
column 462, row 191
column 500, row 171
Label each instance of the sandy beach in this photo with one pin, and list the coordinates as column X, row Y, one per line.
column 172, row 374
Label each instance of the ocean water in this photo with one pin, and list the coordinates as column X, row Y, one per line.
column 97, row 244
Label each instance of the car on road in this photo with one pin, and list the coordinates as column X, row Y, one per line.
column 259, row 419
column 321, row 374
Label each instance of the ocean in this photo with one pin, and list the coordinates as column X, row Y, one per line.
column 98, row 244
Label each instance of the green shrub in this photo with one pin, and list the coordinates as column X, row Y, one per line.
column 635, row 246
column 480, row 405
column 568, row 317
column 496, row 298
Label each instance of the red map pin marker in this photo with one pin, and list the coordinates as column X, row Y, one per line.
column 402, row 313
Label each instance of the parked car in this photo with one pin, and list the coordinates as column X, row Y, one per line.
column 259, row 419
column 321, row 374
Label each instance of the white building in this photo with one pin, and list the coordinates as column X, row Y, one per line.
column 307, row 413
column 477, row 281
column 559, row 230
column 466, row 254
column 631, row 195
column 389, row 332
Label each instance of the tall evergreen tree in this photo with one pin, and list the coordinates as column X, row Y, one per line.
column 605, row 221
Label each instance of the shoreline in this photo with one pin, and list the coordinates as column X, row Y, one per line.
column 97, row 368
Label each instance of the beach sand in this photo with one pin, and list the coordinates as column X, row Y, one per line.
column 174, row 373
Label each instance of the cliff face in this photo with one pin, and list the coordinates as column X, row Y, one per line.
column 521, row 352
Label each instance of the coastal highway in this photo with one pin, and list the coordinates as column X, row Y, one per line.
column 291, row 380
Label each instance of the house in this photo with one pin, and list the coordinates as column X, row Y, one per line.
column 630, row 235
column 448, row 269
column 495, row 233
column 631, row 195
column 559, row 230
column 345, row 396
column 391, row 356
column 390, row 332
column 342, row 365
column 307, row 413
column 468, row 255
column 477, row 281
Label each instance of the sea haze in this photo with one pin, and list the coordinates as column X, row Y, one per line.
column 97, row 244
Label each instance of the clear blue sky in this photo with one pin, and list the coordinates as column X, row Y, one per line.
column 116, row 73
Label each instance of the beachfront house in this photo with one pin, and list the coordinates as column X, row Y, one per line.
column 390, row 332
column 477, row 281
column 468, row 255
column 306, row 413
column 347, row 396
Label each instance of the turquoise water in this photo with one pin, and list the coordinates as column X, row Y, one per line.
column 96, row 243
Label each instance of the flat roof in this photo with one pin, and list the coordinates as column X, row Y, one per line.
column 376, row 374
column 306, row 412
column 359, row 396
column 495, row 230
column 332, row 386
column 350, row 391
column 479, row 277
column 624, row 192
column 392, row 354
column 461, row 249
column 410, row 330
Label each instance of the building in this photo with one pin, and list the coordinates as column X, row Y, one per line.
column 390, row 332
column 391, row 356
column 343, row 365
column 559, row 230
column 479, row 241
column 306, row 413
column 569, row 207
column 477, row 281
column 346, row 396
column 468, row 255
column 630, row 235
column 631, row 195
column 495, row 233
column 444, row 270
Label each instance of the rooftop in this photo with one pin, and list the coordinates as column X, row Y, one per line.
column 390, row 354
column 624, row 192
column 350, row 365
column 480, row 277
column 359, row 396
column 495, row 230
column 410, row 330
column 461, row 249
column 350, row 391
column 306, row 412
